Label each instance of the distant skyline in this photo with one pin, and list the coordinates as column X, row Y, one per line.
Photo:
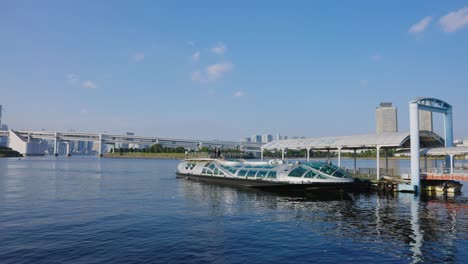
column 228, row 70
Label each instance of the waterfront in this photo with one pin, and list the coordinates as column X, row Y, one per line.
column 86, row 209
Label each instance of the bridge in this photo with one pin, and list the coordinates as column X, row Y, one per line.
column 23, row 141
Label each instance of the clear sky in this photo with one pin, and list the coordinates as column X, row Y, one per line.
column 229, row 69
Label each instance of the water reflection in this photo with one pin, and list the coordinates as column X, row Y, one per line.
column 137, row 211
column 401, row 226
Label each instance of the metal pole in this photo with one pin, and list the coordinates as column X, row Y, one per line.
column 386, row 160
column 414, row 137
column 308, row 154
column 261, row 154
column 339, row 156
column 378, row 162
column 425, row 162
column 448, row 125
column 354, row 155
column 282, row 154
column 451, row 164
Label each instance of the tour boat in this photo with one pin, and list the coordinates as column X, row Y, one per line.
column 275, row 175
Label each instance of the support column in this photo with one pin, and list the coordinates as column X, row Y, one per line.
column 451, row 164
column 308, row 154
column 56, row 143
column 448, row 125
column 386, row 161
column 100, row 145
column 339, row 157
column 425, row 162
column 68, row 149
column 282, row 154
column 414, row 137
column 354, row 156
column 448, row 132
column 378, row 163
column 261, row 154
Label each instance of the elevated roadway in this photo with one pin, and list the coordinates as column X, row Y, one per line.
column 111, row 139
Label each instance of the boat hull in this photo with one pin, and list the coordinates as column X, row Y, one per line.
column 269, row 185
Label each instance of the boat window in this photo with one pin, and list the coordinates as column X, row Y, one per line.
column 297, row 172
column 242, row 173
column 319, row 176
column 261, row 174
column 216, row 171
column 230, row 169
column 207, row 171
column 310, row 174
column 327, row 170
column 314, row 165
column 271, row 174
column 212, row 166
column 207, row 164
column 251, row 173
column 339, row 174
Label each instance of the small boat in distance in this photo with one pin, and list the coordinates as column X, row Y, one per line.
column 273, row 175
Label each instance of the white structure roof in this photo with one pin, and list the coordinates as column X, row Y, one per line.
column 398, row 139
column 445, row 151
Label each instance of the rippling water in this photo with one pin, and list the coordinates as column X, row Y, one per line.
column 90, row 210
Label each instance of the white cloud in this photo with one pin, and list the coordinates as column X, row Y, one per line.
column 139, row 56
column 196, row 76
column 196, row 56
column 455, row 20
column 239, row 94
column 216, row 71
column 219, row 48
column 191, row 43
column 212, row 72
column 72, row 78
column 375, row 57
column 89, row 85
column 420, row 26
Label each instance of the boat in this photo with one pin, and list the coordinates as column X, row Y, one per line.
column 273, row 175
column 449, row 187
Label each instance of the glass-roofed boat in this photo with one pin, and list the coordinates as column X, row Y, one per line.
column 273, row 174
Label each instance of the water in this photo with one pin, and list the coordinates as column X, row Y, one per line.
column 90, row 210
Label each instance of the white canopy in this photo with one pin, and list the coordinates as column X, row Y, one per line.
column 399, row 139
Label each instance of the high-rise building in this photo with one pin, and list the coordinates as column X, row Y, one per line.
column 246, row 140
column 0, row 115
column 386, row 118
column 425, row 120
column 267, row 138
column 257, row 138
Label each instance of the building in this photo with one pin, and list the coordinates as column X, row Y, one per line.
column 26, row 146
column 267, row 138
column 425, row 120
column 386, row 118
column 257, row 138
column 246, row 140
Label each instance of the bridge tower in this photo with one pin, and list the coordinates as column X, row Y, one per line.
column 431, row 105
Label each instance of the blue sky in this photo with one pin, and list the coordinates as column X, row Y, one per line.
column 219, row 70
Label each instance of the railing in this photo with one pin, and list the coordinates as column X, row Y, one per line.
column 460, row 170
column 370, row 173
